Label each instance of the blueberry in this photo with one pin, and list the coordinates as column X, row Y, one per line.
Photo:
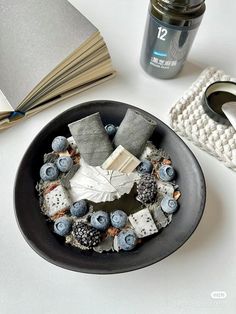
column 64, row 163
column 127, row 239
column 60, row 144
column 166, row 173
column 118, row 219
column 100, row 220
column 111, row 130
column 145, row 166
column 169, row 205
column 79, row 208
column 62, row 226
column 49, row 172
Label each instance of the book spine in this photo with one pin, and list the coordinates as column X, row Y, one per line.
column 15, row 115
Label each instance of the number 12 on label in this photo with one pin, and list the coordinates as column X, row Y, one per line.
column 162, row 32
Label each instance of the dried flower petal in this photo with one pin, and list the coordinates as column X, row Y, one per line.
column 60, row 214
column 177, row 195
column 64, row 154
column 51, row 186
column 166, row 162
column 76, row 158
column 112, row 231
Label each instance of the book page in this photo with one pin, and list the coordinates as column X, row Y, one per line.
column 69, row 74
column 35, row 37
column 4, row 124
column 4, row 104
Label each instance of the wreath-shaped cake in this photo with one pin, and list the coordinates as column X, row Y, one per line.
column 108, row 187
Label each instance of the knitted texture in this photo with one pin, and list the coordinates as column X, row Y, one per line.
column 189, row 119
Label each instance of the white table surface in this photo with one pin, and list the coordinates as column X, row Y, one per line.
column 181, row 283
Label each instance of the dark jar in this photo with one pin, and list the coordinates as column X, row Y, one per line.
column 170, row 31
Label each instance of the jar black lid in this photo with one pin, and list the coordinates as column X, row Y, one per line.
column 182, row 3
column 216, row 95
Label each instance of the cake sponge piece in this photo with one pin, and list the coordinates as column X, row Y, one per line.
column 91, row 139
column 134, row 131
column 143, row 223
column 57, row 200
column 121, row 160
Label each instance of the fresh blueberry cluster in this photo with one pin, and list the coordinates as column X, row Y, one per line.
column 147, row 189
column 50, row 171
column 90, row 235
column 101, row 220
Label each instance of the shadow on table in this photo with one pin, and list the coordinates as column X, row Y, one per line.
column 190, row 69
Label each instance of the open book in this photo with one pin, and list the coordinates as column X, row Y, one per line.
column 48, row 52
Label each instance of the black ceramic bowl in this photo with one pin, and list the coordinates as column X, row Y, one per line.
column 36, row 230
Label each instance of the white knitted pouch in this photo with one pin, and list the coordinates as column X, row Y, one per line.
column 188, row 118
